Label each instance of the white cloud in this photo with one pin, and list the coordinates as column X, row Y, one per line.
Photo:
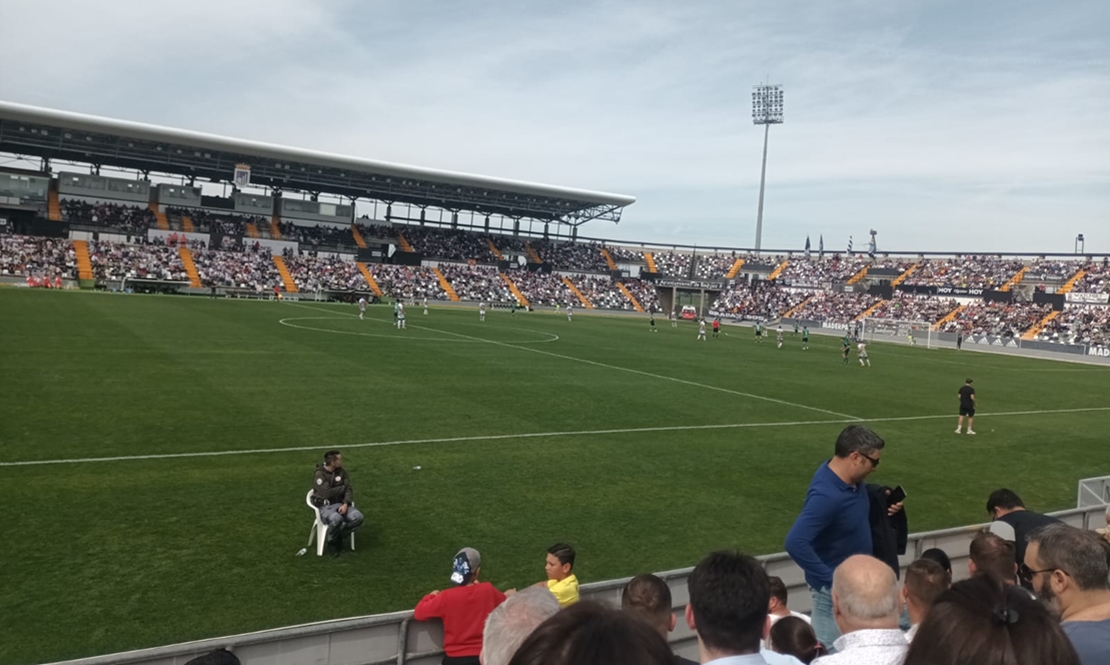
column 943, row 126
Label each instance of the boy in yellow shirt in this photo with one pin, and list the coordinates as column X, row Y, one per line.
column 561, row 582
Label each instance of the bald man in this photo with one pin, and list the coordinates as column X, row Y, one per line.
column 866, row 608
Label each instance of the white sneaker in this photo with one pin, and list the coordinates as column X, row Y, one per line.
column 970, row 432
column 957, row 430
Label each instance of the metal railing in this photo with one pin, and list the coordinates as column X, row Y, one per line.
column 395, row 638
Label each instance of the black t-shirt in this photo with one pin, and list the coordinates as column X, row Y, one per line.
column 966, row 393
column 1023, row 522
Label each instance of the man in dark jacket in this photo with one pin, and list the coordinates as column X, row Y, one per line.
column 332, row 494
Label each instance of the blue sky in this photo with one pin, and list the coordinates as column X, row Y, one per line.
column 943, row 125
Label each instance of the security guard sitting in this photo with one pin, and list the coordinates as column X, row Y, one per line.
column 331, row 492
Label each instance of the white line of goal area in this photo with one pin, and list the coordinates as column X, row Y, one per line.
column 620, row 369
column 541, row 435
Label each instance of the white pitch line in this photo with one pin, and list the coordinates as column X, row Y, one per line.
column 632, row 371
column 537, row 435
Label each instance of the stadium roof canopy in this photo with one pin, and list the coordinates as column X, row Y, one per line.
column 53, row 134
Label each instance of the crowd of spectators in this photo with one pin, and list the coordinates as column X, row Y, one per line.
column 1096, row 279
column 541, row 288
column 243, row 270
column 449, row 244
column 715, row 266
column 568, row 255
column 644, row 292
column 407, row 282
column 815, row 271
column 133, row 220
column 835, row 307
column 759, row 301
column 369, row 229
column 672, row 264
column 477, row 283
column 1079, row 324
column 971, row 272
column 906, row 307
column 317, row 235
column 625, row 255
column 601, row 291
column 1004, row 319
column 1051, row 270
column 114, row 261
column 32, row 256
column 317, row 273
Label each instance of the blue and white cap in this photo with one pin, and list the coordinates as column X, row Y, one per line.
column 466, row 564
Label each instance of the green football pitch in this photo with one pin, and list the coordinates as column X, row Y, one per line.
column 157, row 451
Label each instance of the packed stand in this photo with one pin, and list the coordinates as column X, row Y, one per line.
column 672, row 264
column 1079, row 324
column 449, row 243
column 1004, row 319
column 758, row 302
column 602, row 292
column 1096, row 279
column 625, row 255
column 891, row 263
column 644, row 292
column 802, row 271
column 243, row 270
column 113, row 261
column 407, row 282
column 1051, row 270
column 477, row 283
column 29, row 256
column 572, row 255
column 835, row 307
column 542, row 288
column 971, row 272
column 714, row 266
column 905, row 307
column 318, row 273
column 131, row 219
column 369, row 229
column 228, row 224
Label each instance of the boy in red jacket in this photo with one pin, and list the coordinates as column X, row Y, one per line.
column 462, row 608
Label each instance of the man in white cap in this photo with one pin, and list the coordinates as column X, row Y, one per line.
column 462, row 608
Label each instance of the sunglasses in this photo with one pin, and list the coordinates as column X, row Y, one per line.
column 874, row 460
column 1027, row 574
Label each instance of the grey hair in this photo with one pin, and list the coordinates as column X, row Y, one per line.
column 513, row 621
column 1081, row 554
column 870, row 596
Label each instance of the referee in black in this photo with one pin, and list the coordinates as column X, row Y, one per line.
column 967, row 407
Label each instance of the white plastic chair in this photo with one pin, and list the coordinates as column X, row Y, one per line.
column 319, row 530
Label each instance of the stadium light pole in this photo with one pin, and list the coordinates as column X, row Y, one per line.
column 766, row 111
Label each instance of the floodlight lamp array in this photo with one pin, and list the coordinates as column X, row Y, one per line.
column 767, row 105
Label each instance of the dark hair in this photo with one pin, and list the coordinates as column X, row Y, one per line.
column 794, row 637
column 980, row 621
column 926, row 580
column 563, row 552
column 1083, row 555
column 215, row 657
column 994, row 556
column 592, row 634
column 968, row 381
column 940, row 556
column 857, row 439
column 1005, row 499
column 778, row 589
column 330, row 456
column 729, row 593
column 647, row 594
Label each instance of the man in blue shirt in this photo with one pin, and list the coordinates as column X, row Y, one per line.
column 833, row 524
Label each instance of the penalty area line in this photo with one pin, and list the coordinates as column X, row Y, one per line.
column 539, row 435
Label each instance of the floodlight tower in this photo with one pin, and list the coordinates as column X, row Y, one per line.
column 766, row 111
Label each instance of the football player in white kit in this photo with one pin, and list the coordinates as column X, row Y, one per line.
column 425, row 305
column 482, row 311
column 674, row 318
column 361, row 307
column 862, row 346
column 400, row 315
column 570, row 310
column 701, row 329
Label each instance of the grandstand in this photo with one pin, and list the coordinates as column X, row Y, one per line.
column 294, row 231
